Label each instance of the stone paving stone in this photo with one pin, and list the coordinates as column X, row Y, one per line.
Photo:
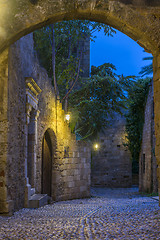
column 109, row 214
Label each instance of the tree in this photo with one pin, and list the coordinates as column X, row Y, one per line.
column 102, row 95
column 147, row 70
column 135, row 117
column 60, row 47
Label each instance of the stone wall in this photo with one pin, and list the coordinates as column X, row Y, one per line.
column 71, row 171
column 139, row 19
column 156, row 85
column 135, row 18
column 141, row 2
column 85, row 63
column 5, row 201
column 147, row 160
column 111, row 163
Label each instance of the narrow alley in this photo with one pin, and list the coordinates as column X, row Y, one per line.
column 108, row 214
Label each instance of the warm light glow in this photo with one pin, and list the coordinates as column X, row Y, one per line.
column 96, row 146
column 67, row 117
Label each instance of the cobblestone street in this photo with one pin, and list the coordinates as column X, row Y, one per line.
column 109, row 214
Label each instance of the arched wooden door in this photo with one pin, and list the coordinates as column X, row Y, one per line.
column 47, row 164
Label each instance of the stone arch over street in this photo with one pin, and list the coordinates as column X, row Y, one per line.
column 137, row 19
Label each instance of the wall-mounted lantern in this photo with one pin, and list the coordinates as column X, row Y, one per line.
column 96, row 146
column 67, row 117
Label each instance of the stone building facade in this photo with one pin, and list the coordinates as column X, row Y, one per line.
column 139, row 19
column 148, row 181
column 43, row 157
column 111, row 163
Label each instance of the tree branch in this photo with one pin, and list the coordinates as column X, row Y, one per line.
column 75, row 79
column 54, row 63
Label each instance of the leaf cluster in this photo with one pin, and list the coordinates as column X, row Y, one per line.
column 99, row 97
column 148, row 69
column 94, row 99
column 69, row 39
column 137, row 97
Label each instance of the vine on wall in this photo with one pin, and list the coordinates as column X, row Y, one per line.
column 137, row 97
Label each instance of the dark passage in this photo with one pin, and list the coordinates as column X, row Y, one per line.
column 46, row 164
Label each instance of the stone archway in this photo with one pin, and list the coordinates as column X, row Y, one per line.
column 139, row 19
column 48, row 161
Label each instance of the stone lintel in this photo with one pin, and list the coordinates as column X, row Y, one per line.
column 32, row 86
column 32, row 91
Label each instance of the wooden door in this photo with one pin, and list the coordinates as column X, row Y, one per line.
column 46, row 164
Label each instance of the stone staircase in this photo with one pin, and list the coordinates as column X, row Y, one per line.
column 36, row 200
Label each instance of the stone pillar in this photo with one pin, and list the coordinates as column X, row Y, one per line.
column 32, row 142
column 156, row 79
column 28, row 112
column 27, row 185
column 32, row 113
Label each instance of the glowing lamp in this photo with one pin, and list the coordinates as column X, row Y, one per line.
column 67, row 117
column 96, row 146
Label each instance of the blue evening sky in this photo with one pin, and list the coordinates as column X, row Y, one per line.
column 119, row 50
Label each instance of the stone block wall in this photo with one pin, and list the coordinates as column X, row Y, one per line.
column 71, row 169
column 20, row 65
column 147, row 161
column 5, row 201
column 141, row 2
column 156, row 88
column 71, row 172
column 111, row 163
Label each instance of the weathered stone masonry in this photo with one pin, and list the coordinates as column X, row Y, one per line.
column 147, row 160
column 137, row 19
column 71, row 171
column 156, row 84
column 111, row 164
column 5, row 202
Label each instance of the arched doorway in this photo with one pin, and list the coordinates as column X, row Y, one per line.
column 47, row 163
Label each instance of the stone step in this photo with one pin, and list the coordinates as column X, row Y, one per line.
column 32, row 191
column 156, row 198
column 38, row 200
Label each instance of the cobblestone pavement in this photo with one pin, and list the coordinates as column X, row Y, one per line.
column 109, row 214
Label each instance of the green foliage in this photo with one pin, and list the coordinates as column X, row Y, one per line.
column 135, row 117
column 69, row 36
column 97, row 99
column 94, row 99
column 147, row 70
